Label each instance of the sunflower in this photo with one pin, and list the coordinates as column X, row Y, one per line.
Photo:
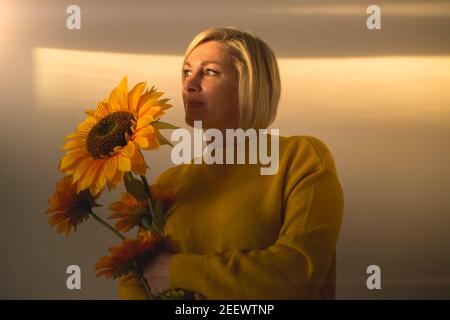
column 128, row 256
column 109, row 141
column 130, row 212
column 69, row 208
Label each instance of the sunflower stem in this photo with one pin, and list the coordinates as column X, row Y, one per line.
column 107, row 225
column 147, row 288
column 147, row 189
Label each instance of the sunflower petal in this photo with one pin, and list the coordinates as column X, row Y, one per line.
column 142, row 142
column 123, row 93
column 144, row 121
column 89, row 112
column 124, row 163
column 107, row 273
column 63, row 227
column 74, row 144
column 101, row 111
column 138, row 157
column 87, row 179
column 129, row 150
column 56, row 218
column 147, row 131
column 113, row 101
column 118, row 177
column 119, row 96
column 100, row 180
column 111, row 167
column 149, row 98
column 135, row 94
column 70, row 159
column 76, row 135
column 80, row 170
column 149, row 110
column 153, row 143
column 120, row 207
column 140, row 168
column 87, row 125
column 158, row 113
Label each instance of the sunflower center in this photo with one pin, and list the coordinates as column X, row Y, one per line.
column 109, row 133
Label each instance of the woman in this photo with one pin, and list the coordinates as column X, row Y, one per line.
column 232, row 232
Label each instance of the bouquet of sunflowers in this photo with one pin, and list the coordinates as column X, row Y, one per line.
column 105, row 150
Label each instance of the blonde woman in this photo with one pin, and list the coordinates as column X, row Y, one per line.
column 232, row 232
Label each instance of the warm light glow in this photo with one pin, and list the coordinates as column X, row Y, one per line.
column 6, row 13
column 385, row 88
column 425, row 8
column 320, row 89
column 78, row 79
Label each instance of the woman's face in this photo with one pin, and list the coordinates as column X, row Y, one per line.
column 210, row 88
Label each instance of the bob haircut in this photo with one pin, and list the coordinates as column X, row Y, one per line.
column 258, row 76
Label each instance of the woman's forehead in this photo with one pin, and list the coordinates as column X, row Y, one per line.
column 209, row 52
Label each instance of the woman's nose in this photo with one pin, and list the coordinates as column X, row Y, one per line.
column 192, row 84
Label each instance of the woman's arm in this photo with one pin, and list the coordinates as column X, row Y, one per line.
column 294, row 267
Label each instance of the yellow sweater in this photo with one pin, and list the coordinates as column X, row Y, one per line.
column 242, row 235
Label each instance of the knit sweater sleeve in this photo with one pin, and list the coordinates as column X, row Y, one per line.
column 294, row 267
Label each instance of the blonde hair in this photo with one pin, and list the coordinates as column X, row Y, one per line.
column 258, row 75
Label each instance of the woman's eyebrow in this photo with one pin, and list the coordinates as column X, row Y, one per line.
column 203, row 63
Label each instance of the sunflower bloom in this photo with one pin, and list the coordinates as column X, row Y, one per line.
column 128, row 256
column 69, row 208
column 130, row 212
column 110, row 140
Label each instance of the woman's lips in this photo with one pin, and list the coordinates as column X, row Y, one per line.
column 194, row 104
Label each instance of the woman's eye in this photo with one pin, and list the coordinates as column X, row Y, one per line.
column 211, row 72
column 208, row 72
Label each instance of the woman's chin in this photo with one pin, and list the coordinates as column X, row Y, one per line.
column 190, row 118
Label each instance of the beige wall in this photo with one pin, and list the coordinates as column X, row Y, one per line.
column 378, row 99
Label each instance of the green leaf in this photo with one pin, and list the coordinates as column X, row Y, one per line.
column 162, row 101
column 147, row 221
column 158, row 217
column 153, row 229
column 176, row 294
column 163, row 140
column 134, row 186
column 163, row 125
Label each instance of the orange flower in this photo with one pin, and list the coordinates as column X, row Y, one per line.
column 164, row 195
column 127, row 257
column 130, row 212
column 69, row 208
column 109, row 142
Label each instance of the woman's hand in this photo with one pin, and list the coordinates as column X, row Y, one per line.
column 156, row 272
